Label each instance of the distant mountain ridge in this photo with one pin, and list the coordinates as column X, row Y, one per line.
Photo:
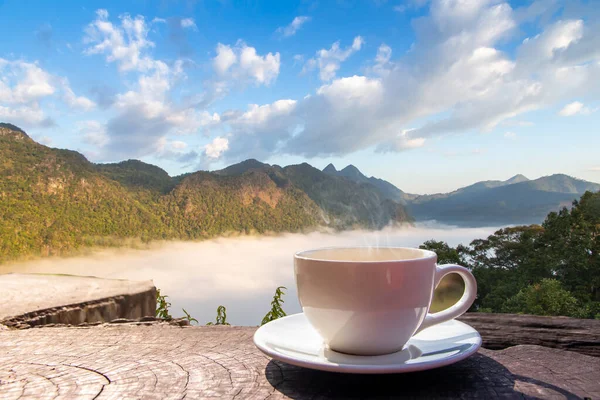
column 390, row 191
column 517, row 200
column 526, row 202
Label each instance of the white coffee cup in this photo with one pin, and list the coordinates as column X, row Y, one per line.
column 372, row 300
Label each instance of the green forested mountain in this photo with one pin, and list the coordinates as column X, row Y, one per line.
column 53, row 201
column 135, row 174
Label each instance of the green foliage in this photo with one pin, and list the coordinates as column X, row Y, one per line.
column 552, row 269
column 445, row 253
column 138, row 175
column 162, row 306
column 276, row 306
column 544, row 298
column 189, row 317
column 221, row 318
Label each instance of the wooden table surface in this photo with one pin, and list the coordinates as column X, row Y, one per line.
column 161, row 361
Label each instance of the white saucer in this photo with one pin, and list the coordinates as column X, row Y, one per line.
column 293, row 340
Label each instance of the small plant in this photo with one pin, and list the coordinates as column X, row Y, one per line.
column 189, row 317
column 221, row 317
column 162, row 306
column 276, row 310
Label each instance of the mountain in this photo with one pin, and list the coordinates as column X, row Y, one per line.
column 471, row 189
column 388, row 190
column 137, row 174
column 54, row 201
column 242, row 167
column 515, row 201
column 344, row 202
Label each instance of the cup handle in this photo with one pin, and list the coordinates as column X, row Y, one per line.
column 462, row 305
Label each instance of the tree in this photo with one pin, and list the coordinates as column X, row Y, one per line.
column 518, row 268
column 544, row 298
column 445, row 253
column 572, row 242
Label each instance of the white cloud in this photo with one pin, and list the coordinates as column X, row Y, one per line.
column 93, row 132
column 25, row 116
column 382, row 60
column 174, row 150
column 189, row 120
column 22, row 82
column 122, row 44
column 594, row 169
column 224, row 59
column 293, row 27
column 241, row 62
column 384, row 53
column 158, row 20
column 264, row 69
column 45, row 140
column 188, row 23
column 510, row 135
column 74, row 101
column 402, row 141
column 214, row 149
column 178, row 145
column 456, row 78
column 575, row 108
column 147, row 113
column 329, row 61
column 36, row 84
column 24, row 85
column 260, row 130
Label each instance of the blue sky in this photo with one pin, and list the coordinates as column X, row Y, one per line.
column 430, row 95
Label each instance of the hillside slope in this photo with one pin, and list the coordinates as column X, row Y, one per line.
column 53, row 201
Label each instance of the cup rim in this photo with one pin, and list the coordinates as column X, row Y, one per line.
column 427, row 254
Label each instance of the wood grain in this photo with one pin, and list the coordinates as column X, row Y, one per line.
column 500, row 331
column 160, row 361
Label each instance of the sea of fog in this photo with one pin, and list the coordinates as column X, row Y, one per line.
column 240, row 273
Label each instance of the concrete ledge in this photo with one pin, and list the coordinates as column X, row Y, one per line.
column 37, row 299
